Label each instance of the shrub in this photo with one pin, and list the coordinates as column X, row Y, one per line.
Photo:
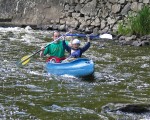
column 138, row 24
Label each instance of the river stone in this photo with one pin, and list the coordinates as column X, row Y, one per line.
column 89, row 8
column 62, row 21
column 62, row 27
column 105, row 30
column 88, row 22
column 110, row 20
column 127, row 108
column 71, row 2
column 136, row 43
column 87, row 18
column 63, row 16
column 76, row 15
column 52, row 21
column 82, row 27
column 78, row 7
column 85, row 23
column 122, row 38
column 72, row 9
column 134, row 6
column 145, row 37
column 76, row 1
column 72, row 22
column 108, row 5
column 146, row 1
column 104, row 14
column 82, row 1
column 67, row 7
column 145, row 42
column 135, row 109
column 81, row 19
column 140, row 1
column 126, row 8
column 96, row 22
column 116, row 8
column 133, row 0
column 140, row 6
column 103, row 24
column 55, row 27
column 57, row 21
column 115, row 28
column 86, row 1
column 133, row 37
column 113, row 1
column 122, row 1
column 96, row 30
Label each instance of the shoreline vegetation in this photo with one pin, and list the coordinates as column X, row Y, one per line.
column 135, row 28
column 136, row 23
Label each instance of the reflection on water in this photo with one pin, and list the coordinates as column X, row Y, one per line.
column 121, row 76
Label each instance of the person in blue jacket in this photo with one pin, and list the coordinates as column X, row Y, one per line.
column 75, row 50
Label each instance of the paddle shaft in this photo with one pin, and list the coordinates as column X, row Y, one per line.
column 106, row 36
column 83, row 35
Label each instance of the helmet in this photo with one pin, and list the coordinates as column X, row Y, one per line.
column 76, row 41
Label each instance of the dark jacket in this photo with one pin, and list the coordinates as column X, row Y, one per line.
column 78, row 52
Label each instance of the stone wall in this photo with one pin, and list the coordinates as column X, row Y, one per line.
column 97, row 16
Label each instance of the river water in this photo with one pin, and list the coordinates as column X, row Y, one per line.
column 122, row 76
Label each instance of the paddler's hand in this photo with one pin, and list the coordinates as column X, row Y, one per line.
column 63, row 37
column 88, row 38
column 42, row 48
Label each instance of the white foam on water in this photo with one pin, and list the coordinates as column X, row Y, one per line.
column 28, row 38
column 144, row 85
column 56, row 108
column 11, row 29
column 33, row 88
column 16, row 30
column 68, row 76
column 38, row 73
column 145, row 66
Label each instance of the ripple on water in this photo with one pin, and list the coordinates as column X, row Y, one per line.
column 56, row 108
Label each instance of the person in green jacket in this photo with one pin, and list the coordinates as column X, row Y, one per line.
column 56, row 50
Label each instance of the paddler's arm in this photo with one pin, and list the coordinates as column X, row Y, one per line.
column 71, row 37
column 70, row 42
column 83, row 49
column 68, row 48
column 44, row 51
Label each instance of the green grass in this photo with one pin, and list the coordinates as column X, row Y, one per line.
column 138, row 24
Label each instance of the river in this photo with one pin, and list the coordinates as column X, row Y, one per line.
column 122, row 76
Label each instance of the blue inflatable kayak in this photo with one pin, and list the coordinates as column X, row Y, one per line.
column 79, row 68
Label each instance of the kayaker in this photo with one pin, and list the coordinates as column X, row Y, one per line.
column 75, row 50
column 56, row 50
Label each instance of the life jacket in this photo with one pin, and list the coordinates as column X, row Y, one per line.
column 56, row 59
column 75, row 53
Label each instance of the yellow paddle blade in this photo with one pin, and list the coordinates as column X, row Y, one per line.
column 25, row 60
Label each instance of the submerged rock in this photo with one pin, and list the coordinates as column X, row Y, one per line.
column 135, row 108
column 134, row 40
column 127, row 108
